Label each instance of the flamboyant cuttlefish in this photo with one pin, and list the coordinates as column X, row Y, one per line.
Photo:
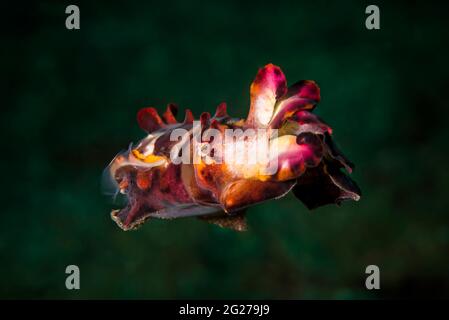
column 190, row 168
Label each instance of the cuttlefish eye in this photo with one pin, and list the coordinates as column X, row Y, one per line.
column 307, row 138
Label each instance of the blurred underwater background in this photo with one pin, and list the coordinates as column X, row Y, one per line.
column 70, row 105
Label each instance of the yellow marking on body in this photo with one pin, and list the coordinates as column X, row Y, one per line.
column 151, row 158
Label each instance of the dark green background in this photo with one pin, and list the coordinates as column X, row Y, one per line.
column 69, row 105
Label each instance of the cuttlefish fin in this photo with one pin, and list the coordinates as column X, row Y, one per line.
column 134, row 216
column 325, row 184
